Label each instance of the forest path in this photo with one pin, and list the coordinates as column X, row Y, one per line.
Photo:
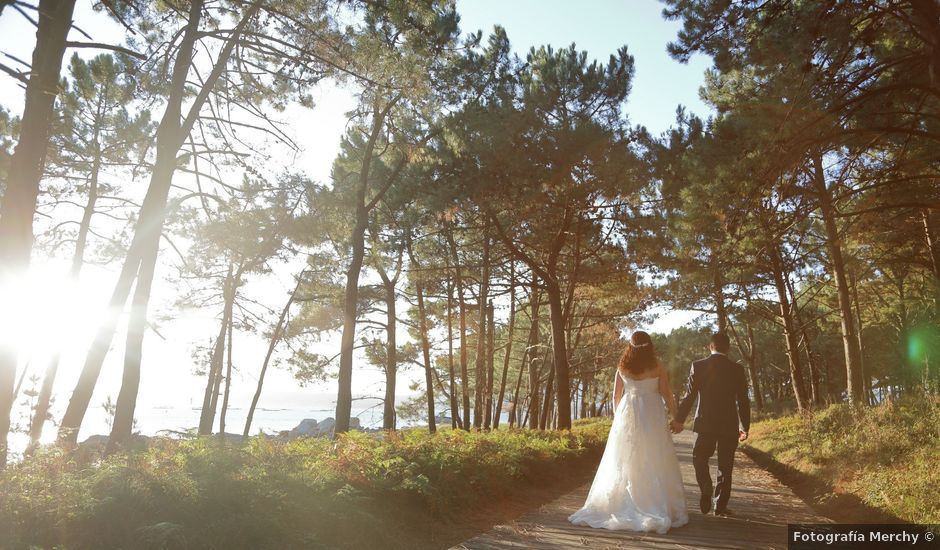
column 763, row 506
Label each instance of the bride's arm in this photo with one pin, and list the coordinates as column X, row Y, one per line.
column 665, row 389
column 618, row 389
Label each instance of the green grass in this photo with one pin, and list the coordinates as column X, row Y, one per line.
column 307, row 493
column 887, row 456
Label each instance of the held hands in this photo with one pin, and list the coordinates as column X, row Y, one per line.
column 742, row 435
column 675, row 426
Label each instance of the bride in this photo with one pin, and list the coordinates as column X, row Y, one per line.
column 638, row 486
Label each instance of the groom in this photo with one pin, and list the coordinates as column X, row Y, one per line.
column 721, row 388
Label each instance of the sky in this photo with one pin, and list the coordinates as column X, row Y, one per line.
column 598, row 26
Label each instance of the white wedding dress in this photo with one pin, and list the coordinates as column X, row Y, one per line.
column 638, row 486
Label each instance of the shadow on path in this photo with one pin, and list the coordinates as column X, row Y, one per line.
column 762, row 504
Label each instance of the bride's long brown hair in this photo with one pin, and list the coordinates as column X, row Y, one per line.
column 639, row 356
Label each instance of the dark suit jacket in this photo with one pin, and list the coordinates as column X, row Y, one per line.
column 721, row 388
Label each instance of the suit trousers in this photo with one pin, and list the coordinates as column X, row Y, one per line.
column 702, row 451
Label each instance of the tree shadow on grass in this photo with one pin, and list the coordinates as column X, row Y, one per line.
column 820, row 494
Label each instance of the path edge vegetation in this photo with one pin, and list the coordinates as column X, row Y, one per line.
column 407, row 489
column 858, row 464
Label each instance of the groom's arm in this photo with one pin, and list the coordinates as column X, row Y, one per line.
column 744, row 403
column 691, row 392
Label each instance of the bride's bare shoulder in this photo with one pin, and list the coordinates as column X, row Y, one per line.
column 655, row 372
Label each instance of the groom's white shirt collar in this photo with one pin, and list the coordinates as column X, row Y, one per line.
column 718, row 353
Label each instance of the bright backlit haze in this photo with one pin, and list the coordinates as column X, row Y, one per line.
column 68, row 315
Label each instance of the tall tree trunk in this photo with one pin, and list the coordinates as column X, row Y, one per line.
column 170, row 137
column 123, row 423
column 462, row 316
column 514, row 406
column 559, row 353
column 533, row 348
column 41, row 411
column 279, row 329
column 925, row 21
column 753, row 369
column 454, row 411
column 508, row 352
column 216, row 360
column 933, row 250
column 22, row 186
column 548, row 273
column 84, row 227
column 479, row 391
column 91, row 369
column 547, row 401
column 815, row 396
column 866, row 379
column 749, row 353
column 391, row 356
column 228, row 380
column 789, row 330
column 142, row 254
column 350, row 315
column 351, row 294
column 426, row 352
column 525, row 418
column 849, row 344
column 490, row 374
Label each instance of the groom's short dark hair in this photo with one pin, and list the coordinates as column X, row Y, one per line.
column 721, row 342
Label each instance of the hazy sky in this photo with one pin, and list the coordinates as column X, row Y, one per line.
column 599, row 27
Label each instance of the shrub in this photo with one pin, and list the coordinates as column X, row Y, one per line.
column 885, row 455
column 269, row 494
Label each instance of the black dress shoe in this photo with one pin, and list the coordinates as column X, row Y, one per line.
column 705, row 502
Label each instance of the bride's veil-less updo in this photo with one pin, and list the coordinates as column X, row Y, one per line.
column 639, row 356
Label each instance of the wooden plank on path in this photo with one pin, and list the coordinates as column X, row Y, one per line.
column 762, row 506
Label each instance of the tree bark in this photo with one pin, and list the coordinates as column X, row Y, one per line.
column 933, row 251
column 426, row 352
column 509, row 334
column 142, row 255
column 454, row 411
column 866, row 379
column 25, row 171
column 789, row 331
column 171, row 134
column 490, row 374
column 462, row 317
column 815, row 397
column 279, row 329
column 479, row 383
column 534, row 302
column 425, row 342
column 88, row 378
column 22, row 186
column 545, row 414
column 391, row 354
column 41, row 411
column 216, row 361
column 350, row 313
column 752, row 367
column 850, row 345
column 514, row 406
column 559, row 354
column 351, row 294
column 556, row 308
column 228, row 380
